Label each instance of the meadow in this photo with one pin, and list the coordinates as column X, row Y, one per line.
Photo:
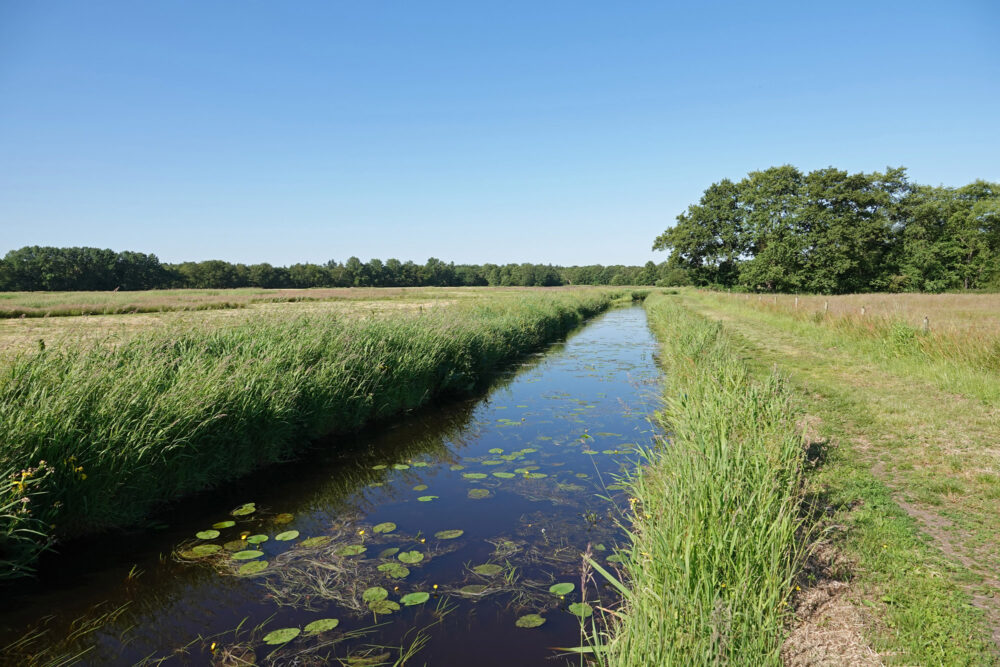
column 100, row 433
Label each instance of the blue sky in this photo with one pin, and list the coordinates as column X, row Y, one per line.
column 563, row 132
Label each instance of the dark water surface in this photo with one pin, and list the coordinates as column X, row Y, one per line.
column 543, row 448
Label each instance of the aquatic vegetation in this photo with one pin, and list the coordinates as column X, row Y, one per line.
column 223, row 524
column 374, row 594
column 488, row 569
column 253, row 567
column 286, row 535
column 321, row 625
column 317, row 541
column 383, row 606
column 207, row 534
column 479, row 494
column 352, row 550
column 384, row 527
column 282, row 518
column 410, row 557
column 282, row 636
column 411, row 599
column 427, row 499
column 244, row 510
column 530, row 621
column 562, row 589
column 581, row 609
column 448, row 534
column 247, row 555
column 474, row 475
column 257, row 539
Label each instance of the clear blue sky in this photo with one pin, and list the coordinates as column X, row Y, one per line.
column 564, row 132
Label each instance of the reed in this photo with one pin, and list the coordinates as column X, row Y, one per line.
column 124, row 428
column 714, row 511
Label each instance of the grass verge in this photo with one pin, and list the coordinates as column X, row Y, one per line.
column 715, row 510
column 96, row 437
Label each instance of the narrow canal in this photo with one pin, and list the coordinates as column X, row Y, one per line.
column 450, row 537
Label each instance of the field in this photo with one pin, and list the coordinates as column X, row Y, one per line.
column 901, row 425
column 102, row 425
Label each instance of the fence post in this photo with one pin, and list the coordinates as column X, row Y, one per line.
column 826, row 307
column 796, row 302
column 927, row 324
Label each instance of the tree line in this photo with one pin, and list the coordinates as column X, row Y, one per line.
column 36, row 268
column 829, row 231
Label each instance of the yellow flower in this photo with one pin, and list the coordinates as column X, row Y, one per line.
column 83, row 476
column 361, row 532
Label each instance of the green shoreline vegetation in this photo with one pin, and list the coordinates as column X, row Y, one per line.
column 98, row 436
column 715, row 512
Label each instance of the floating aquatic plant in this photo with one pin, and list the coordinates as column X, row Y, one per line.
column 383, row 606
column 472, row 589
column 474, row 475
column 488, row 569
column 322, row 625
column 384, row 527
column 477, row 494
column 282, row 636
column 247, row 555
column 253, row 567
column 400, row 466
column 410, row 557
column 388, row 553
column 283, row 518
column 529, row 621
column 427, row 499
column 257, row 539
column 420, row 487
column 374, row 594
column 352, row 550
column 207, row 534
column 411, row 599
column 244, row 510
column 561, row 589
column 206, row 549
column 223, row 524
column 504, row 475
column 581, row 609
column 448, row 534
column 315, row 541
column 287, row 535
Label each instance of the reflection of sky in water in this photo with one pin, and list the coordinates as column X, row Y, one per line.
column 582, row 406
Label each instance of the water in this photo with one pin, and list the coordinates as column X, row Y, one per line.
column 565, row 422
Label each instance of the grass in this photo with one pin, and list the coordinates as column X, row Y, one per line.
column 906, row 495
column 715, row 510
column 97, row 436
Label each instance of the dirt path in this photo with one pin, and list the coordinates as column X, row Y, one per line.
column 938, row 452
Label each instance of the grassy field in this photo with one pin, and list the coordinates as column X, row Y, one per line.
column 903, row 425
column 96, row 435
column 714, row 511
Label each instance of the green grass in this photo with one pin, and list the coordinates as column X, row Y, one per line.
column 715, row 512
column 98, row 436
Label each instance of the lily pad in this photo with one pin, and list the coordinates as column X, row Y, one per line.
column 352, row 550
column 223, row 524
column 248, row 554
column 521, row 471
column 410, row 557
column 472, row 589
column 385, row 527
column 283, row 518
column 474, row 475
column 529, row 450
column 322, row 625
column 427, row 499
column 379, row 467
column 253, row 567
column 388, row 553
column 561, row 589
column 488, row 569
column 420, row 464
column 496, row 450
column 257, row 539
column 374, row 594
column 233, row 545
column 616, row 558
column 205, row 549
column 457, row 467
column 504, row 475
column 582, row 475
column 287, row 535
column 477, row 494
column 420, row 487
column 448, row 534
column 493, row 463
column 244, row 510
column 282, row 636
column 411, row 599
column 536, row 475
column 581, row 609
column 383, row 606
column 530, row 621
column 207, row 534
column 394, row 570
column 400, row 466
column 315, row 541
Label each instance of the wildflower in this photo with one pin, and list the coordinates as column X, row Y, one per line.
column 212, row 647
column 422, row 540
column 361, row 532
column 83, row 476
column 435, row 586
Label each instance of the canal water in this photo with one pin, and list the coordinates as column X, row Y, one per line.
column 453, row 536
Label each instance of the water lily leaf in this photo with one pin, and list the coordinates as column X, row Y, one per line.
column 282, row 636
column 283, row 518
column 615, row 487
column 388, row 553
column 496, row 450
column 476, row 494
column 609, row 451
column 352, row 550
column 383, row 606
column 420, row 487
column 380, row 467
column 615, row 558
column 257, row 539
column 581, row 609
column 561, row 589
column 253, row 567
column 536, row 475
column 248, row 554
column 322, row 625
column 492, row 463
column 315, row 541
column 521, row 471
column 411, row 599
column 207, row 534
column 488, row 569
column 511, row 457
column 457, row 467
column 374, row 594
column 474, row 475
column 287, row 535
column 472, row 589
column 420, row 464
column 234, row 545
column 530, row 621
column 384, row 527
column 504, row 475
column 206, row 549
column 582, row 475
column 528, row 450
column 410, row 557
column 244, row 510
column 427, row 499
column 400, row 466
column 448, row 534
column 394, row 570
column 223, row 524
column 600, row 547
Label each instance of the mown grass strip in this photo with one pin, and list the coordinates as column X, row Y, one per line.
column 715, row 510
column 97, row 437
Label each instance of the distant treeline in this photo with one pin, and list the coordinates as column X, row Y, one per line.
column 829, row 231
column 37, row 268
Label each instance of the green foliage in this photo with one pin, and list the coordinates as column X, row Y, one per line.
column 830, row 232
